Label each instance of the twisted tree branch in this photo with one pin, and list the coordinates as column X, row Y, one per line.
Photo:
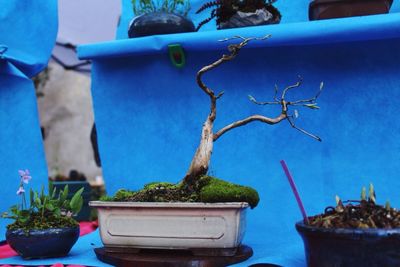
column 291, row 87
column 201, row 159
column 247, row 120
column 234, row 50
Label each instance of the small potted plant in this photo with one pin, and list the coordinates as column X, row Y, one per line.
column 200, row 213
column 167, row 16
column 44, row 228
column 353, row 233
column 75, row 181
column 240, row 13
column 328, row 9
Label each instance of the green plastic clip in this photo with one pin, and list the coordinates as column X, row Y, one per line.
column 177, row 55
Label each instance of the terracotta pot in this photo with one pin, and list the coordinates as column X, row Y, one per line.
column 327, row 9
column 350, row 247
column 159, row 23
column 47, row 243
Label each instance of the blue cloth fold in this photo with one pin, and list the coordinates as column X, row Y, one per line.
column 28, row 29
column 291, row 34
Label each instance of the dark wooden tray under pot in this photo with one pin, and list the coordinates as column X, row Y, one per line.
column 170, row 258
column 328, row 9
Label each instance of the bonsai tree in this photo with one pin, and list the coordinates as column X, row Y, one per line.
column 240, row 13
column 196, row 185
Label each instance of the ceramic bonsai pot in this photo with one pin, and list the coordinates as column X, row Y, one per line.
column 48, row 243
column 159, row 23
column 338, row 247
column 161, row 225
column 327, row 9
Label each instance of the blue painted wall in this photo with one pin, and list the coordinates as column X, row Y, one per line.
column 149, row 116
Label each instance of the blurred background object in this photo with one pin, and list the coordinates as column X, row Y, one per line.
column 63, row 89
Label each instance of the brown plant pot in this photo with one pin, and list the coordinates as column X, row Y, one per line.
column 329, row 9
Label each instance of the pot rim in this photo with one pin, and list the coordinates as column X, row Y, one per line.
column 187, row 205
column 302, row 228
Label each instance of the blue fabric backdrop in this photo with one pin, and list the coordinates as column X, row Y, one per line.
column 149, row 116
column 27, row 30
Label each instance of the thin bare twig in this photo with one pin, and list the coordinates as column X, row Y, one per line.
column 276, row 93
column 302, row 130
column 252, row 99
column 291, row 87
column 284, row 112
column 311, row 100
column 245, row 40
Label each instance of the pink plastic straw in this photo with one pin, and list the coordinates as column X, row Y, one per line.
column 295, row 192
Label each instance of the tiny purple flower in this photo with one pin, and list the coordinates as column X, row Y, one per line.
column 20, row 191
column 25, row 176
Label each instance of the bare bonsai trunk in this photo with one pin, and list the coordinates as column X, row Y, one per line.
column 201, row 159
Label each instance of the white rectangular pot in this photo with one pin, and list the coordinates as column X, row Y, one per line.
column 171, row 225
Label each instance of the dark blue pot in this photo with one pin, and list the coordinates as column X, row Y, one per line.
column 48, row 243
column 350, row 247
column 159, row 23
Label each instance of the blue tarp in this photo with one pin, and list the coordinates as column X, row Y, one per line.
column 28, row 29
column 149, row 116
column 27, row 35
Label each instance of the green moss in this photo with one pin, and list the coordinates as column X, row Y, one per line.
column 159, row 185
column 207, row 189
column 37, row 222
column 123, row 194
column 106, row 198
column 217, row 190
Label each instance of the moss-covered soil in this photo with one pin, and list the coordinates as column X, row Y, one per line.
column 36, row 221
column 357, row 214
column 207, row 189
